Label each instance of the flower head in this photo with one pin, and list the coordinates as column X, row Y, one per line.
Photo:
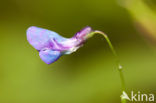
column 52, row 46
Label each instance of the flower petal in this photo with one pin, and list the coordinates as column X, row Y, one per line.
column 39, row 38
column 49, row 56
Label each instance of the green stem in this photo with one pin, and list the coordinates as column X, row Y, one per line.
column 120, row 69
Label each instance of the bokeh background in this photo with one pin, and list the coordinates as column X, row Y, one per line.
column 88, row 75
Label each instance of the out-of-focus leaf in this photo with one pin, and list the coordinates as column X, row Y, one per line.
column 144, row 17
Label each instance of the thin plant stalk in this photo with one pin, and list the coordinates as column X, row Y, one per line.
column 119, row 66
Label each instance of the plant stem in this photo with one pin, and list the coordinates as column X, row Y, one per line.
column 119, row 67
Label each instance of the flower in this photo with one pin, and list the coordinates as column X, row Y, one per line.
column 52, row 46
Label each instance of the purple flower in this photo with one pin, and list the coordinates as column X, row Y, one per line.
column 51, row 45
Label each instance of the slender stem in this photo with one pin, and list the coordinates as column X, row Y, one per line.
column 120, row 69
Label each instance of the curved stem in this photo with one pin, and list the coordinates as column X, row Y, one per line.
column 120, row 69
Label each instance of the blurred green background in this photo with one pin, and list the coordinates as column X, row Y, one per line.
column 88, row 75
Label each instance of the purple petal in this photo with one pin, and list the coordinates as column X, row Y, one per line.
column 40, row 38
column 49, row 56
